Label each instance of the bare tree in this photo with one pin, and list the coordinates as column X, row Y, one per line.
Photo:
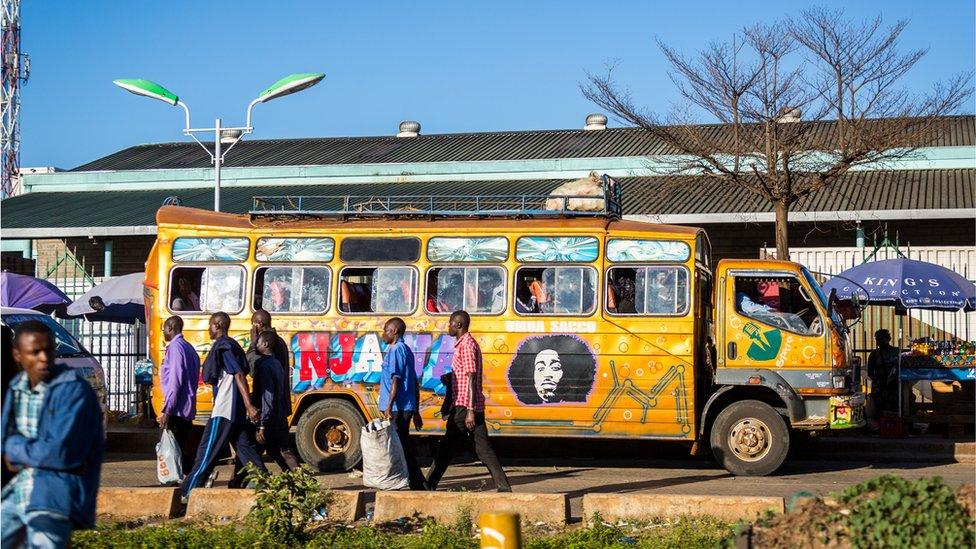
column 839, row 76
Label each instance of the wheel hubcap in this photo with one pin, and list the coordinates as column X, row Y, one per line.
column 750, row 439
column 332, row 436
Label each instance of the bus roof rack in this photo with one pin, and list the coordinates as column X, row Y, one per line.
column 392, row 206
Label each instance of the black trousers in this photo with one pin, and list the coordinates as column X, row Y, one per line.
column 182, row 428
column 417, row 481
column 277, row 447
column 458, row 436
column 218, row 433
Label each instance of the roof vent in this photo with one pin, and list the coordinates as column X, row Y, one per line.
column 790, row 115
column 596, row 121
column 409, row 128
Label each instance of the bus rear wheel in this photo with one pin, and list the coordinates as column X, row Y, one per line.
column 328, row 435
column 750, row 438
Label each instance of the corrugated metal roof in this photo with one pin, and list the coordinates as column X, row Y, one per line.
column 859, row 191
column 457, row 147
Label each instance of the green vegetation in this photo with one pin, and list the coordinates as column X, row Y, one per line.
column 890, row 511
column 679, row 533
column 286, row 503
column 884, row 512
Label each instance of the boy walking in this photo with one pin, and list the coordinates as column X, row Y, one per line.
column 230, row 420
column 53, row 443
column 400, row 394
column 466, row 419
column 269, row 386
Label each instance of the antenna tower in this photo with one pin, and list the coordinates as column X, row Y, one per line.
column 16, row 69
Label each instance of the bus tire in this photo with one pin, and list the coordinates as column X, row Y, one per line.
column 750, row 438
column 328, row 433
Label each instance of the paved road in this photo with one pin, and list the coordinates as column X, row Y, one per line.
column 668, row 473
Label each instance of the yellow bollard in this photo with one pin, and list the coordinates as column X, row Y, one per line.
column 500, row 531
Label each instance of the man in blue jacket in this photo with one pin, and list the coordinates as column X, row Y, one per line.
column 53, row 441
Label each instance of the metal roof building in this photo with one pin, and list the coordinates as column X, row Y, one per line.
column 929, row 197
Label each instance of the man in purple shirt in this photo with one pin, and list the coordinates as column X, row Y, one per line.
column 179, row 377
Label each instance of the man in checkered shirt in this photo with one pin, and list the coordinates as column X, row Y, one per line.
column 466, row 419
column 53, row 442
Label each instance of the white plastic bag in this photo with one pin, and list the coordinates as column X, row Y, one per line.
column 169, row 465
column 384, row 466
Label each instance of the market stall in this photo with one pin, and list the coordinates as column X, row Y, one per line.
column 907, row 284
column 950, row 366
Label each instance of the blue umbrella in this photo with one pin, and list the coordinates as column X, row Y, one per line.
column 117, row 299
column 905, row 283
column 27, row 292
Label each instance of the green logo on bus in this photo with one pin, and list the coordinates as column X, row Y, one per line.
column 765, row 345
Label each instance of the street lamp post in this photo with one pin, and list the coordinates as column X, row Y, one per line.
column 230, row 135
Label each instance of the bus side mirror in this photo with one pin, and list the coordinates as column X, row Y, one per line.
column 845, row 308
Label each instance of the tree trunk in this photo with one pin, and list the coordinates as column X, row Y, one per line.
column 782, row 229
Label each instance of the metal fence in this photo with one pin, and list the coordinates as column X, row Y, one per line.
column 117, row 347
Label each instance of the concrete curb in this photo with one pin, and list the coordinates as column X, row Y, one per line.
column 225, row 504
column 137, row 503
column 444, row 506
column 613, row 507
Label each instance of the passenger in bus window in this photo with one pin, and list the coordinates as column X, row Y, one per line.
column 277, row 295
column 524, row 300
column 625, row 291
column 491, row 291
column 660, row 294
column 186, row 299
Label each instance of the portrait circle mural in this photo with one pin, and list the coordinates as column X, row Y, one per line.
column 551, row 369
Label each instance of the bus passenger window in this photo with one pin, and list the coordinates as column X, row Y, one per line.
column 473, row 289
column 555, row 290
column 286, row 289
column 207, row 289
column 649, row 291
column 377, row 290
column 184, row 289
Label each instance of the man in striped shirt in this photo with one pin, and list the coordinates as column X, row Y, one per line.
column 466, row 420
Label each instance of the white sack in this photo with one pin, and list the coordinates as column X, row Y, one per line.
column 169, row 467
column 384, row 466
column 587, row 186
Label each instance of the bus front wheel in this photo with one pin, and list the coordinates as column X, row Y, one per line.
column 328, row 435
column 750, row 438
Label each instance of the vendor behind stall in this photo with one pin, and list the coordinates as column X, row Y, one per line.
column 883, row 373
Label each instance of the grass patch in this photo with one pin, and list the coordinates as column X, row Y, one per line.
column 679, row 533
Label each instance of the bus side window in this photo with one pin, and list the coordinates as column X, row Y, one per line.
column 651, row 291
column 478, row 290
column 207, row 289
column 184, row 288
column 377, row 290
column 555, row 290
column 292, row 289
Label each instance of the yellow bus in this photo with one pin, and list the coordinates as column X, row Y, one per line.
column 591, row 326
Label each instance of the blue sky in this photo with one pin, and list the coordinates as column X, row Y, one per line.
column 454, row 66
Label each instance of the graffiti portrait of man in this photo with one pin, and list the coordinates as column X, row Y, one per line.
column 551, row 369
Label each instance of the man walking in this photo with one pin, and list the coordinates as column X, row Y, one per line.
column 400, row 394
column 229, row 423
column 466, row 419
column 179, row 376
column 273, row 420
column 260, row 323
column 53, row 441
